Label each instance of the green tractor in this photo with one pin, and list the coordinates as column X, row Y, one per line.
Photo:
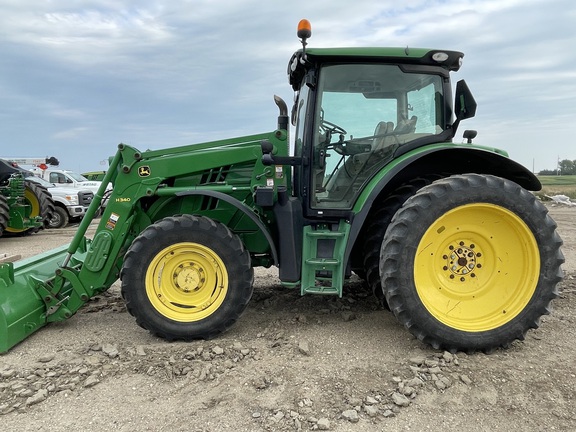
column 25, row 207
column 447, row 234
column 94, row 175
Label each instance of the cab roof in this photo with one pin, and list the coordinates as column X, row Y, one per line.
column 300, row 61
column 451, row 60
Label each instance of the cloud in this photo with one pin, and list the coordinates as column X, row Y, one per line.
column 83, row 76
column 74, row 133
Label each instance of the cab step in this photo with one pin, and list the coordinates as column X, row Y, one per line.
column 322, row 266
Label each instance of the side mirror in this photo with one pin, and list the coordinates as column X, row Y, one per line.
column 464, row 105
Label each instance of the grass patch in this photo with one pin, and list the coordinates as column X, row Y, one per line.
column 558, row 185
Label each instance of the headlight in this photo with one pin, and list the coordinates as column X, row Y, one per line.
column 73, row 199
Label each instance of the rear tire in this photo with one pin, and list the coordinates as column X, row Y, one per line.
column 377, row 225
column 41, row 204
column 470, row 263
column 4, row 214
column 186, row 278
column 44, row 197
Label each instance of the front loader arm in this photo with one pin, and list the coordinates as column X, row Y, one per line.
column 92, row 266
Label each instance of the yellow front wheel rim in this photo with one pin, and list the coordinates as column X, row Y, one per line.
column 186, row 282
column 476, row 267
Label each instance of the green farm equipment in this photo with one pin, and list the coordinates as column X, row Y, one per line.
column 447, row 234
column 25, row 206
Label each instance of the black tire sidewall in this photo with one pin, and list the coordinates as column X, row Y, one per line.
column 376, row 227
column 4, row 214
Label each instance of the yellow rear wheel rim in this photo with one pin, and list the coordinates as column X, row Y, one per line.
column 477, row 267
column 30, row 199
column 186, row 282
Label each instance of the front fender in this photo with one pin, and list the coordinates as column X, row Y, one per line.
column 243, row 208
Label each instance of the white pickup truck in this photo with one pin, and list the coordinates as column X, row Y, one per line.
column 70, row 203
column 66, row 178
column 70, row 179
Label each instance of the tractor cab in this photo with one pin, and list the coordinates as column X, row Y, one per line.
column 358, row 109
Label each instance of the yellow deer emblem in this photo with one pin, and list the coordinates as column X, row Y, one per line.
column 144, row 171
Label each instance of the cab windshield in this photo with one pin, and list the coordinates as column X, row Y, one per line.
column 365, row 112
column 77, row 177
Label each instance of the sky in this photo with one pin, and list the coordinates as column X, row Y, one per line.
column 79, row 77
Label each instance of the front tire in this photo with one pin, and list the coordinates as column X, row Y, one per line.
column 471, row 262
column 187, row 278
column 59, row 218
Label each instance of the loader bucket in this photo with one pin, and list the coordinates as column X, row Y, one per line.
column 22, row 310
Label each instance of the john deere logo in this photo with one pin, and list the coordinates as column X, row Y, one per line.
column 144, row 171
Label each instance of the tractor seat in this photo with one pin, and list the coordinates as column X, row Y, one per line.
column 381, row 141
column 406, row 126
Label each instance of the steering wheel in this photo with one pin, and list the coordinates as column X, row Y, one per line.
column 332, row 128
column 329, row 129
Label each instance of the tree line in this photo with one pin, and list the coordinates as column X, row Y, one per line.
column 565, row 167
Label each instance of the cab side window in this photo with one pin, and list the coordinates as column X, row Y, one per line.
column 57, row 178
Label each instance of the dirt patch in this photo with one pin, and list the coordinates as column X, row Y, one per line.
column 290, row 363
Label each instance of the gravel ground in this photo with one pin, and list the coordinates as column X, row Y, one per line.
column 291, row 363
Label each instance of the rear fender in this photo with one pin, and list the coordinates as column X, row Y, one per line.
column 440, row 159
